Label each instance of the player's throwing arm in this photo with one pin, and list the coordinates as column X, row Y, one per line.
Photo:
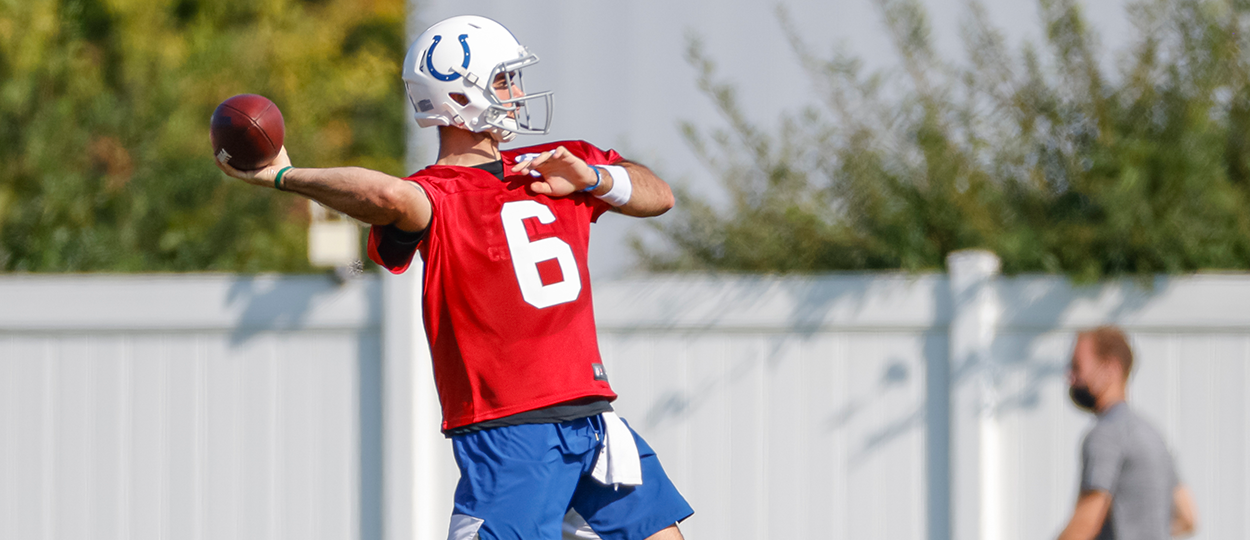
column 370, row 196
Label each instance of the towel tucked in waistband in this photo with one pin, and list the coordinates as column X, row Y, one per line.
column 618, row 463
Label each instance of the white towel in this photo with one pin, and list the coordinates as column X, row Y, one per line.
column 618, row 462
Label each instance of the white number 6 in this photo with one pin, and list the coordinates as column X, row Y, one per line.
column 526, row 255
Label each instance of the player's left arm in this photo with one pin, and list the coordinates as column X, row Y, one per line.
column 651, row 195
column 563, row 173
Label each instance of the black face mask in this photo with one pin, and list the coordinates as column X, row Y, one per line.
column 1082, row 397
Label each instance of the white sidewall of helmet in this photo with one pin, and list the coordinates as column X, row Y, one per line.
column 431, row 76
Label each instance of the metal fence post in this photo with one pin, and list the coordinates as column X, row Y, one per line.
column 975, row 465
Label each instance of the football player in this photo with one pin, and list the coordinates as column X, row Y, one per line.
column 507, row 300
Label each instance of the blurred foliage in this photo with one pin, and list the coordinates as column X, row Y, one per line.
column 1039, row 155
column 105, row 162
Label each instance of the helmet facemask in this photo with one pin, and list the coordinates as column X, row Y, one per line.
column 519, row 112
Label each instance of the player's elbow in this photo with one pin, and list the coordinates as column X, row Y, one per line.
column 650, row 207
column 658, row 204
column 666, row 203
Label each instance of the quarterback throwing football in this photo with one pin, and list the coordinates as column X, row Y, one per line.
column 507, row 301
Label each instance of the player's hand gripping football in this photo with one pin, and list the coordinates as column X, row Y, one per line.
column 263, row 176
column 562, row 173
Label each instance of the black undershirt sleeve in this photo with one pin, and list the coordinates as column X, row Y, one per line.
column 402, row 237
column 396, row 246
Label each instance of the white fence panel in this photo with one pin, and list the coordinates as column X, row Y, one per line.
column 786, row 407
column 815, row 407
column 194, row 407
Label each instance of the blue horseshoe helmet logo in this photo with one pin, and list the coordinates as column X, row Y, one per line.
column 429, row 59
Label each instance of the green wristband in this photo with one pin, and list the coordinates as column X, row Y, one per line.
column 277, row 180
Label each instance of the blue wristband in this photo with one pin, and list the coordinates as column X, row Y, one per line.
column 598, row 179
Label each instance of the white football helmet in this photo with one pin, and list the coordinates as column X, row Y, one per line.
column 449, row 73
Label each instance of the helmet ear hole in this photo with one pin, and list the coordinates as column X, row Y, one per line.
column 457, row 97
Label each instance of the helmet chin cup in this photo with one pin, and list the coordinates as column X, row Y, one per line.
column 450, row 71
column 518, row 115
column 501, row 135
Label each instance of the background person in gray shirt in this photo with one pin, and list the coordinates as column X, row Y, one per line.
column 1129, row 486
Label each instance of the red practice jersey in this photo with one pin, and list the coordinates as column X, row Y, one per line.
column 507, row 301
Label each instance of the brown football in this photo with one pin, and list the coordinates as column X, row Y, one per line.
column 247, row 131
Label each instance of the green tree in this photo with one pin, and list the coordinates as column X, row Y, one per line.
column 1039, row 156
column 105, row 162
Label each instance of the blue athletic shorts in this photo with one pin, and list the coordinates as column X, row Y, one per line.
column 517, row 482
